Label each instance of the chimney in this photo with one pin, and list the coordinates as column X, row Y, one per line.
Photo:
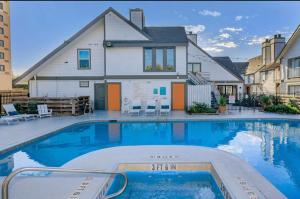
column 192, row 37
column 276, row 45
column 137, row 17
column 266, row 52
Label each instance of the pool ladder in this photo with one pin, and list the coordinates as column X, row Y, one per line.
column 8, row 179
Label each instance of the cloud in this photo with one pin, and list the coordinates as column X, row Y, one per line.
column 238, row 18
column 255, row 40
column 231, row 29
column 213, row 49
column 181, row 16
column 224, row 35
column 195, row 28
column 229, row 44
column 209, row 13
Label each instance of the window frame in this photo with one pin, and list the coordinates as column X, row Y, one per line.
column 83, row 86
column 2, row 66
column 1, row 6
column 2, row 42
column 2, row 31
column 2, row 54
column 78, row 58
column 153, row 50
column 193, row 66
column 290, row 65
column 1, row 18
column 294, row 93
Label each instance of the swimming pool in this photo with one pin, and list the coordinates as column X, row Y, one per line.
column 271, row 146
column 176, row 185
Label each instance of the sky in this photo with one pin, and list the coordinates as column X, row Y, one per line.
column 234, row 29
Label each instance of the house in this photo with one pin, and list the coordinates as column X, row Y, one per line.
column 252, row 75
column 289, row 59
column 263, row 72
column 116, row 61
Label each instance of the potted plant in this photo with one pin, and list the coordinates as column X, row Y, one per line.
column 222, row 104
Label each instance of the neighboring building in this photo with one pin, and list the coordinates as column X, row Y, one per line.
column 5, row 51
column 252, row 75
column 289, row 60
column 263, row 73
column 115, row 60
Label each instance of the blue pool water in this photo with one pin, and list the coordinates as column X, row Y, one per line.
column 272, row 147
column 175, row 185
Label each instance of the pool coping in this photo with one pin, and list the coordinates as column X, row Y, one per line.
column 15, row 146
column 238, row 179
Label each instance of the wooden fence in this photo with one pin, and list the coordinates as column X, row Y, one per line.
column 7, row 96
column 59, row 105
column 199, row 94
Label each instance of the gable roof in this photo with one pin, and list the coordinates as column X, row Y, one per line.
column 213, row 59
column 162, row 34
column 75, row 36
column 230, row 66
column 254, row 65
column 241, row 67
column 291, row 40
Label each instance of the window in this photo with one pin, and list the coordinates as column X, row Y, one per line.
column 84, row 84
column 2, row 68
column 159, row 59
column 262, row 76
column 84, row 58
column 1, row 18
column 1, row 43
column 294, row 89
column 194, row 67
column 162, row 90
column 294, row 67
column 1, row 30
column 1, row 6
column 1, row 55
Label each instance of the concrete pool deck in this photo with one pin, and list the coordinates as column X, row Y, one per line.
column 14, row 135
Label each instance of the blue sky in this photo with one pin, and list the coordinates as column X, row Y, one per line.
column 224, row 28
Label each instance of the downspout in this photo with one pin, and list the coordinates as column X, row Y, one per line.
column 36, row 86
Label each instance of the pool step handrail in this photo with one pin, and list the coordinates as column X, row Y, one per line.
column 7, row 180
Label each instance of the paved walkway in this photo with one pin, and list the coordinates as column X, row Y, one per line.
column 21, row 133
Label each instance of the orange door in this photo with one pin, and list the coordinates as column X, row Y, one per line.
column 178, row 96
column 114, row 96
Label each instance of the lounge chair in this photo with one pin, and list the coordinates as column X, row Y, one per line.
column 8, row 119
column 44, row 111
column 11, row 111
column 150, row 108
column 164, row 107
column 135, row 108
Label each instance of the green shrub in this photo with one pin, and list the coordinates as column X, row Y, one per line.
column 19, row 108
column 275, row 99
column 32, row 107
column 293, row 103
column 222, row 101
column 265, row 101
column 201, row 108
column 282, row 108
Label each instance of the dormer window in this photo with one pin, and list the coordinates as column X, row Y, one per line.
column 84, row 59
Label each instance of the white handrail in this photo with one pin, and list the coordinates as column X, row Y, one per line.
column 8, row 179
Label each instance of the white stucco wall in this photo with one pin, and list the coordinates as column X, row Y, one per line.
column 216, row 72
column 61, row 88
column 64, row 63
column 129, row 61
column 292, row 52
column 117, row 29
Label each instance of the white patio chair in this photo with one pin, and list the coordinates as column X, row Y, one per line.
column 44, row 111
column 135, row 108
column 11, row 111
column 164, row 107
column 150, row 107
